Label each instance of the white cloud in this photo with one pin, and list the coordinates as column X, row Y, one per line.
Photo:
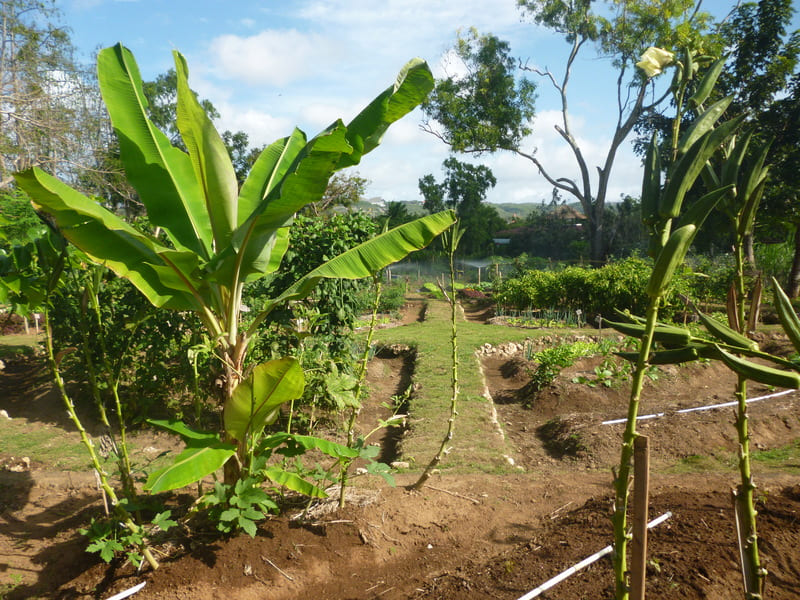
column 271, row 58
column 260, row 127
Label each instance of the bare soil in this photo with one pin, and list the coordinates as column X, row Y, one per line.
column 464, row 535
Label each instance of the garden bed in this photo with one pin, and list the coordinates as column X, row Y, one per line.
column 469, row 533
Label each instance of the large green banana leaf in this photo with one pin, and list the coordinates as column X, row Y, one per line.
column 110, row 241
column 162, row 174
column 210, row 160
column 200, row 458
column 221, row 239
column 256, row 400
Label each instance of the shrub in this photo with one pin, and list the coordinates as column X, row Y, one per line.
column 620, row 284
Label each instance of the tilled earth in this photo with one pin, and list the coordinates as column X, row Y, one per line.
column 464, row 535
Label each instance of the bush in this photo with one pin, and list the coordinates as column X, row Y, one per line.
column 318, row 331
column 146, row 345
column 617, row 285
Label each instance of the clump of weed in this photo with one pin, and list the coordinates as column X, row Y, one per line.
column 560, row 439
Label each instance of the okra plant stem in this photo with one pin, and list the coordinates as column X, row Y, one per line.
column 622, row 480
column 123, row 515
column 362, row 375
column 453, row 237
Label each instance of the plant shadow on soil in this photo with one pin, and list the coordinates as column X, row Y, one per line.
column 465, row 535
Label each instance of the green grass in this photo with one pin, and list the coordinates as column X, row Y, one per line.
column 784, row 458
column 476, row 444
column 700, row 463
column 18, row 345
column 44, row 443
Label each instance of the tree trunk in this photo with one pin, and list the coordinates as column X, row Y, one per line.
column 794, row 273
column 597, row 247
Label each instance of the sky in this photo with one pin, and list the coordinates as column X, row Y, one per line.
column 268, row 66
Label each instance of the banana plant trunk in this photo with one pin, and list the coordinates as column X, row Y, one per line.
column 234, row 363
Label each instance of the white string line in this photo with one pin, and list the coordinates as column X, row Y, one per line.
column 699, row 408
column 584, row 563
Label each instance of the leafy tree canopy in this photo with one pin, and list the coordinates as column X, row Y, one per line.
column 487, row 109
column 491, row 107
column 464, row 189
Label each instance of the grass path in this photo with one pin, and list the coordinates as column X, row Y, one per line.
column 477, row 444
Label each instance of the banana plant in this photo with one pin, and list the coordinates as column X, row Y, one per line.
column 662, row 203
column 219, row 237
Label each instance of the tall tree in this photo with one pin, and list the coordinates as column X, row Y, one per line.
column 464, row 189
column 485, row 110
column 45, row 96
column 781, row 203
column 343, row 190
column 762, row 76
column 397, row 214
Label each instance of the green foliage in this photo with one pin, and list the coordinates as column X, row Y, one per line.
column 312, row 242
column 551, row 361
column 464, row 189
column 320, row 327
column 109, row 538
column 620, row 284
column 489, row 108
column 146, row 347
column 18, row 221
column 238, row 507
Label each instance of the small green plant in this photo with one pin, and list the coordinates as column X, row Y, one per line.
column 551, row 361
column 5, row 588
column 238, row 507
column 109, row 538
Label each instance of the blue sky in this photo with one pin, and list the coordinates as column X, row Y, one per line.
column 269, row 66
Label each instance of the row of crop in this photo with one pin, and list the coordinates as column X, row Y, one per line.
column 620, row 285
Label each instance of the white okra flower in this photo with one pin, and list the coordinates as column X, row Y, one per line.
column 654, row 60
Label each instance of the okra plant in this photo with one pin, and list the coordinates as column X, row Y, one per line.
column 450, row 240
column 662, row 203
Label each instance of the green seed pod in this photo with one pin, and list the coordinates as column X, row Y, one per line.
column 670, row 257
column 691, row 164
column 731, row 166
column 664, row 334
column 703, row 123
column 760, row 373
column 707, row 83
column 789, row 319
column 689, row 64
column 697, row 213
column 664, row 357
column 753, row 188
column 724, row 333
column 651, row 183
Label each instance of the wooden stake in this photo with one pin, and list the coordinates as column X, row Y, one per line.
column 641, row 499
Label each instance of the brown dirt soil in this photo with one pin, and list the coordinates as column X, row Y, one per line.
column 463, row 536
